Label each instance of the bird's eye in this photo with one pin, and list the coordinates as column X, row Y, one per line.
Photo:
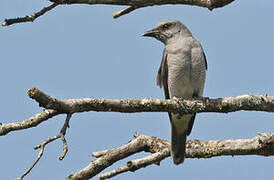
column 166, row 26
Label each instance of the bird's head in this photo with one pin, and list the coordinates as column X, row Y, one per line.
column 167, row 31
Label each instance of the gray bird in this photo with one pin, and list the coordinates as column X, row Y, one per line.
column 182, row 74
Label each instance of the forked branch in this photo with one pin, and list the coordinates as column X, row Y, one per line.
column 47, row 141
column 56, row 106
column 263, row 144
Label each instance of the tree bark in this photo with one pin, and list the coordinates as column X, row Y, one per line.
column 133, row 4
column 263, row 144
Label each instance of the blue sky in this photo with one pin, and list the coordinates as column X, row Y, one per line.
column 80, row 51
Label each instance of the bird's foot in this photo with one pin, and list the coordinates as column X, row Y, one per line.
column 176, row 98
column 179, row 102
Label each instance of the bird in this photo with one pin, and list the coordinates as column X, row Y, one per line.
column 182, row 74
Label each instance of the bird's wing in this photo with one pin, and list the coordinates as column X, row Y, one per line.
column 162, row 77
column 191, row 122
column 178, row 138
column 205, row 60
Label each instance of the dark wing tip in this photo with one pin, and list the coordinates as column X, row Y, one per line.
column 158, row 80
column 205, row 60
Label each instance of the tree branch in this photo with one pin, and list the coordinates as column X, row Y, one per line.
column 134, row 4
column 28, row 123
column 136, row 164
column 260, row 145
column 29, row 18
column 263, row 144
column 47, row 141
column 221, row 105
column 55, row 106
column 124, row 11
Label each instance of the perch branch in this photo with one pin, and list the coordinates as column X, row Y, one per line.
column 134, row 4
column 221, row 105
column 263, row 144
column 55, row 106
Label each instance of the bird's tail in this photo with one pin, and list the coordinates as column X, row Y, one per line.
column 178, row 145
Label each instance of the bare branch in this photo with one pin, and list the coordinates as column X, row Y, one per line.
column 137, row 145
column 35, row 162
column 28, row 123
column 63, row 133
column 41, row 147
column 134, row 4
column 134, row 165
column 124, row 11
column 65, row 147
column 223, row 105
column 210, row 4
column 260, row 145
column 29, row 18
column 263, row 144
column 47, row 141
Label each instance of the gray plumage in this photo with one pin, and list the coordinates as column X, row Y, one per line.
column 182, row 74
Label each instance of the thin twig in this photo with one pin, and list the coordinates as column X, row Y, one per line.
column 63, row 133
column 41, row 147
column 124, row 11
column 66, row 124
column 35, row 162
column 136, row 164
column 51, row 139
column 28, row 123
column 29, row 18
column 65, row 147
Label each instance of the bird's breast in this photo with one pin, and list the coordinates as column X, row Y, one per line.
column 184, row 78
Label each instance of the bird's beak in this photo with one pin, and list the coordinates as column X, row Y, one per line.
column 151, row 33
